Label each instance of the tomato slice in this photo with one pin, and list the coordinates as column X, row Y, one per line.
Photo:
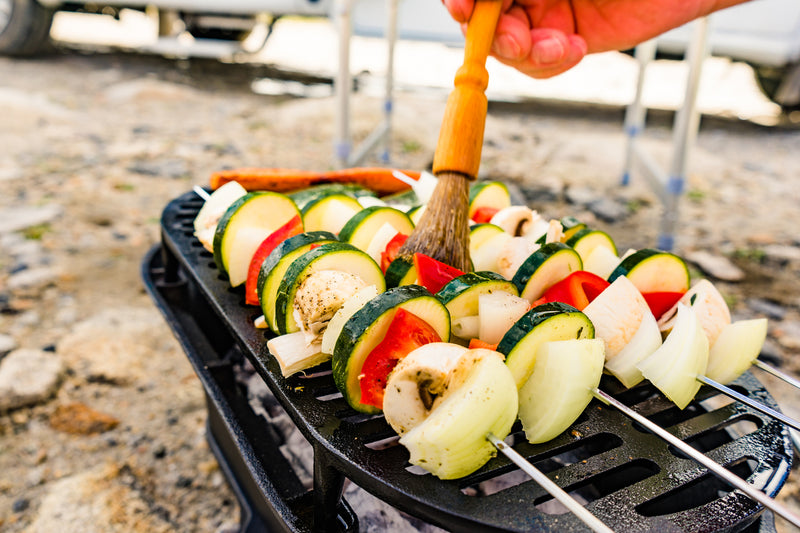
column 406, row 333
column 390, row 254
column 293, row 227
column 577, row 289
column 484, row 214
column 433, row 274
column 661, row 301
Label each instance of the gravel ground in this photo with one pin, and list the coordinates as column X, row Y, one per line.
column 102, row 424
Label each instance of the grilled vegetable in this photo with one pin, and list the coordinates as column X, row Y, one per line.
column 577, row 289
column 205, row 223
column 560, row 386
column 433, row 274
column 709, row 306
column 277, row 263
column 303, row 197
column 674, row 367
column 362, row 227
column 477, row 398
column 330, row 212
column 318, row 282
column 544, row 268
column 367, row 327
column 586, row 240
column 623, row 320
column 736, row 348
column 246, row 223
column 461, row 296
column 549, row 322
column 653, row 270
column 290, row 229
column 487, row 195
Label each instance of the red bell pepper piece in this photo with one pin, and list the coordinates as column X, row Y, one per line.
column 291, row 228
column 483, row 215
column 390, row 254
column 577, row 289
column 477, row 343
column 406, row 333
column 433, row 274
column 661, row 301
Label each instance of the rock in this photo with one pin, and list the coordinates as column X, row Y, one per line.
column 787, row 334
column 80, row 419
column 7, row 343
column 782, row 254
column 716, row 266
column 608, row 210
column 170, row 168
column 28, row 377
column 18, row 218
column 115, row 345
column 97, row 501
column 767, row 308
column 581, row 196
column 33, row 279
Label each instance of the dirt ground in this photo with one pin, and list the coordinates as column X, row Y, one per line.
column 108, row 138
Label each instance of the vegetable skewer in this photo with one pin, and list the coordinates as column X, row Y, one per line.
column 700, row 458
column 201, row 192
column 758, row 406
column 557, row 492
column 777, row 373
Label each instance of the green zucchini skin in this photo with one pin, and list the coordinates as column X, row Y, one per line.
column 292, row 243
column 357, row 228
column 366, row 328
column 547, row 322
column 463, row 291
column 536, row 264
column 400, row 272
column 670, row 270
column 349, row 259
column 303, row 197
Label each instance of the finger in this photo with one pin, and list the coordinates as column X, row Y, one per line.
column 567, row 51
column 512, row 39
column 461, row 10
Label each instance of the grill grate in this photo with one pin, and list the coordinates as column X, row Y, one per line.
column 629, row 478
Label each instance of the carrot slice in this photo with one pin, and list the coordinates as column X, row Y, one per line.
column 377, row 179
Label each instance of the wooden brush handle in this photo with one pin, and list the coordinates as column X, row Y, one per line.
column 461, row 135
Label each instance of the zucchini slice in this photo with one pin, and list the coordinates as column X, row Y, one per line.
column 335, row 256
column 545, row 267
column 553, row 321
column 366, row 328
column 305, row 196
column 461, row 294
column 571, row 226
column 362, row 227
column 275, row 265
column 654, row 271
column 400, row 272
column 585, row 240
column 245, row 225
column 329, row 213
column 488, row 194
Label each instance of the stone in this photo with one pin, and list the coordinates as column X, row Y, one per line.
column 170, row 168
column 28, row 377
column 80, row 419
column 114, row 345
column 716, row 266
column 580, row 196
column 18, row 218
column 608, row 210
column 97, row 501
column 767, row 308
column 787, row 334
column 33, row 279
column 7, row 344
column 782, row 253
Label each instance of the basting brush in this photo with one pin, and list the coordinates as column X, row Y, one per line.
column 443, row 230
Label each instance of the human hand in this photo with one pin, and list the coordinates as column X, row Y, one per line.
column 543, row 38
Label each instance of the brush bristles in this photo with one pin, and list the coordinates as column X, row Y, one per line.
column 443, row 230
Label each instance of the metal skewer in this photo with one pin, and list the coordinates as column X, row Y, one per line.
column 777, row 373
column 199, row 191
column 758, row 406
column 700, row 458
column 557, row 492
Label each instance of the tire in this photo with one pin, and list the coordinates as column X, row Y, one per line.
column 24, row 27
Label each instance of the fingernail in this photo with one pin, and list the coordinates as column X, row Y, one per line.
column 548, row 51
column 506, row 46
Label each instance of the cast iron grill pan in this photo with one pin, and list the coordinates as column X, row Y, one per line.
column 630, row 479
